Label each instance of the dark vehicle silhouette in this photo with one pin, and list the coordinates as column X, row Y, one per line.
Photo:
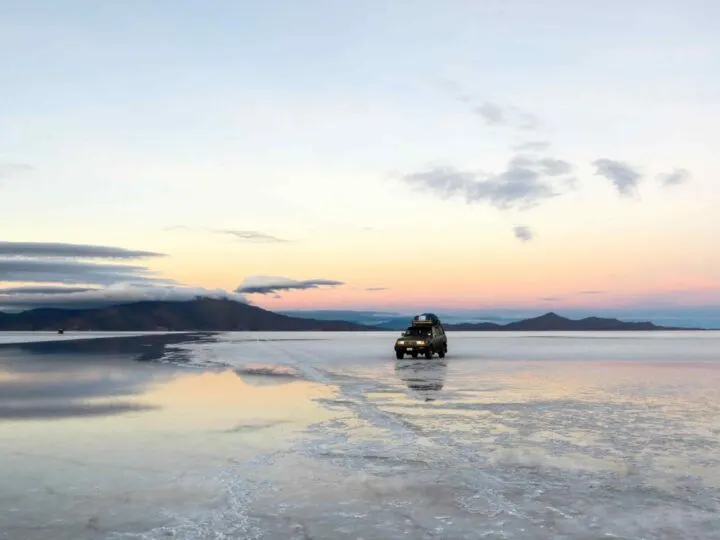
column 426, row 336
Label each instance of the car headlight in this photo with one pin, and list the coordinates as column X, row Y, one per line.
column 401, row 342
column 419, row 343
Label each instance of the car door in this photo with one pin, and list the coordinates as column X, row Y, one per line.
column 435, row 338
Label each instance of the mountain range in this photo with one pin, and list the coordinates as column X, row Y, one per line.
column 209, row 314
column 199, row 314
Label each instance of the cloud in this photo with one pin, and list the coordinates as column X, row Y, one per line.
column 373, row 289
column 622, row 175
column 547, row 166
column 523, row 233
column 253, row 236
column 674, row 178
column 241, row 234
column 43, row 290
column 8, row 170
column 495, row 115
column 532, row 146
column 275, row 284
column 73, row 272
column 590, row 292
column 491, row 113
column 551, row 299
column 527, row 120
column 55, row 264
column 80, row 251
column 525, row 182
column 115, row 294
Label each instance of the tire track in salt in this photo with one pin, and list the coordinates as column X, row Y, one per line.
column 455, row 458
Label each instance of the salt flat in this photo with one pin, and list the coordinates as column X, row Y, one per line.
column 327, row 436
column 31, row 337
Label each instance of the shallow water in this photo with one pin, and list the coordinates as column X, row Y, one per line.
column 327, row 436
column 9, row 337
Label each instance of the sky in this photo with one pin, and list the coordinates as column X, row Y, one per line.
column 404, row 155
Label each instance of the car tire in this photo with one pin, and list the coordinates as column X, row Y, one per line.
column 414, row 355
column 428, row 353
column 399, row 355
column 441, row 353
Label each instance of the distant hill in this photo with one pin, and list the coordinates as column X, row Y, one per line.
column 547, row 322
column 199, row 314
column 554, row 322
column 206, row 314
column 383, row 320
column 375, row 319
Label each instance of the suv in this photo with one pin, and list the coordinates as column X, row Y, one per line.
column 426, row 336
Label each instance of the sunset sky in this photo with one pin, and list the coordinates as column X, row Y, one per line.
column 374, row 155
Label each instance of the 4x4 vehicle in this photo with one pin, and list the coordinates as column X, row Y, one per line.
column 426, row 336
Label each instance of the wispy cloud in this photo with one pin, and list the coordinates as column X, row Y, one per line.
column 252, row 236
column 546, row 166
column 623, row 176
column 43, row 290
column 512, row 117
column 73, row 251
column 445, row 181
column 239, row 234
column 61, row 263
column 113, row 295
column 525, row 182
column 373, row 289
column 532, row 146
column 528, row 121
column 590, row 292
column 54, row 266
column 523, row 233
column 8, row 170
column 491, row 113
column 674, row 178
column 74, row 272
column 276, row 284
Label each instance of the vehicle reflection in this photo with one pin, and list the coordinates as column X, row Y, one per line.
column 426, row 377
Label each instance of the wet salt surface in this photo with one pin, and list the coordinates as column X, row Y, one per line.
column 327, row 436
column 13, row 337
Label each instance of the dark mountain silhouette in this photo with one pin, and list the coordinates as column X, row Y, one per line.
column 206, row 314
column 199, row 314
column 554, row 322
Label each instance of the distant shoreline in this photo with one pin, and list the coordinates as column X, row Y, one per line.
column 222, row 315
column 141, row 333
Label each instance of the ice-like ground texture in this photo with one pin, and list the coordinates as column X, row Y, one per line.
column 327, row 436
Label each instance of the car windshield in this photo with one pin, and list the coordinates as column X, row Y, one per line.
column 417, row 332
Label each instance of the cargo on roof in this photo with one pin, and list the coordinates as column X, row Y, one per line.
column 425, row 319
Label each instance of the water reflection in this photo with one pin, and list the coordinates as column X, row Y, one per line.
column 267, row 374
column 424, row 376
column 139, row 348
column 83, row 378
